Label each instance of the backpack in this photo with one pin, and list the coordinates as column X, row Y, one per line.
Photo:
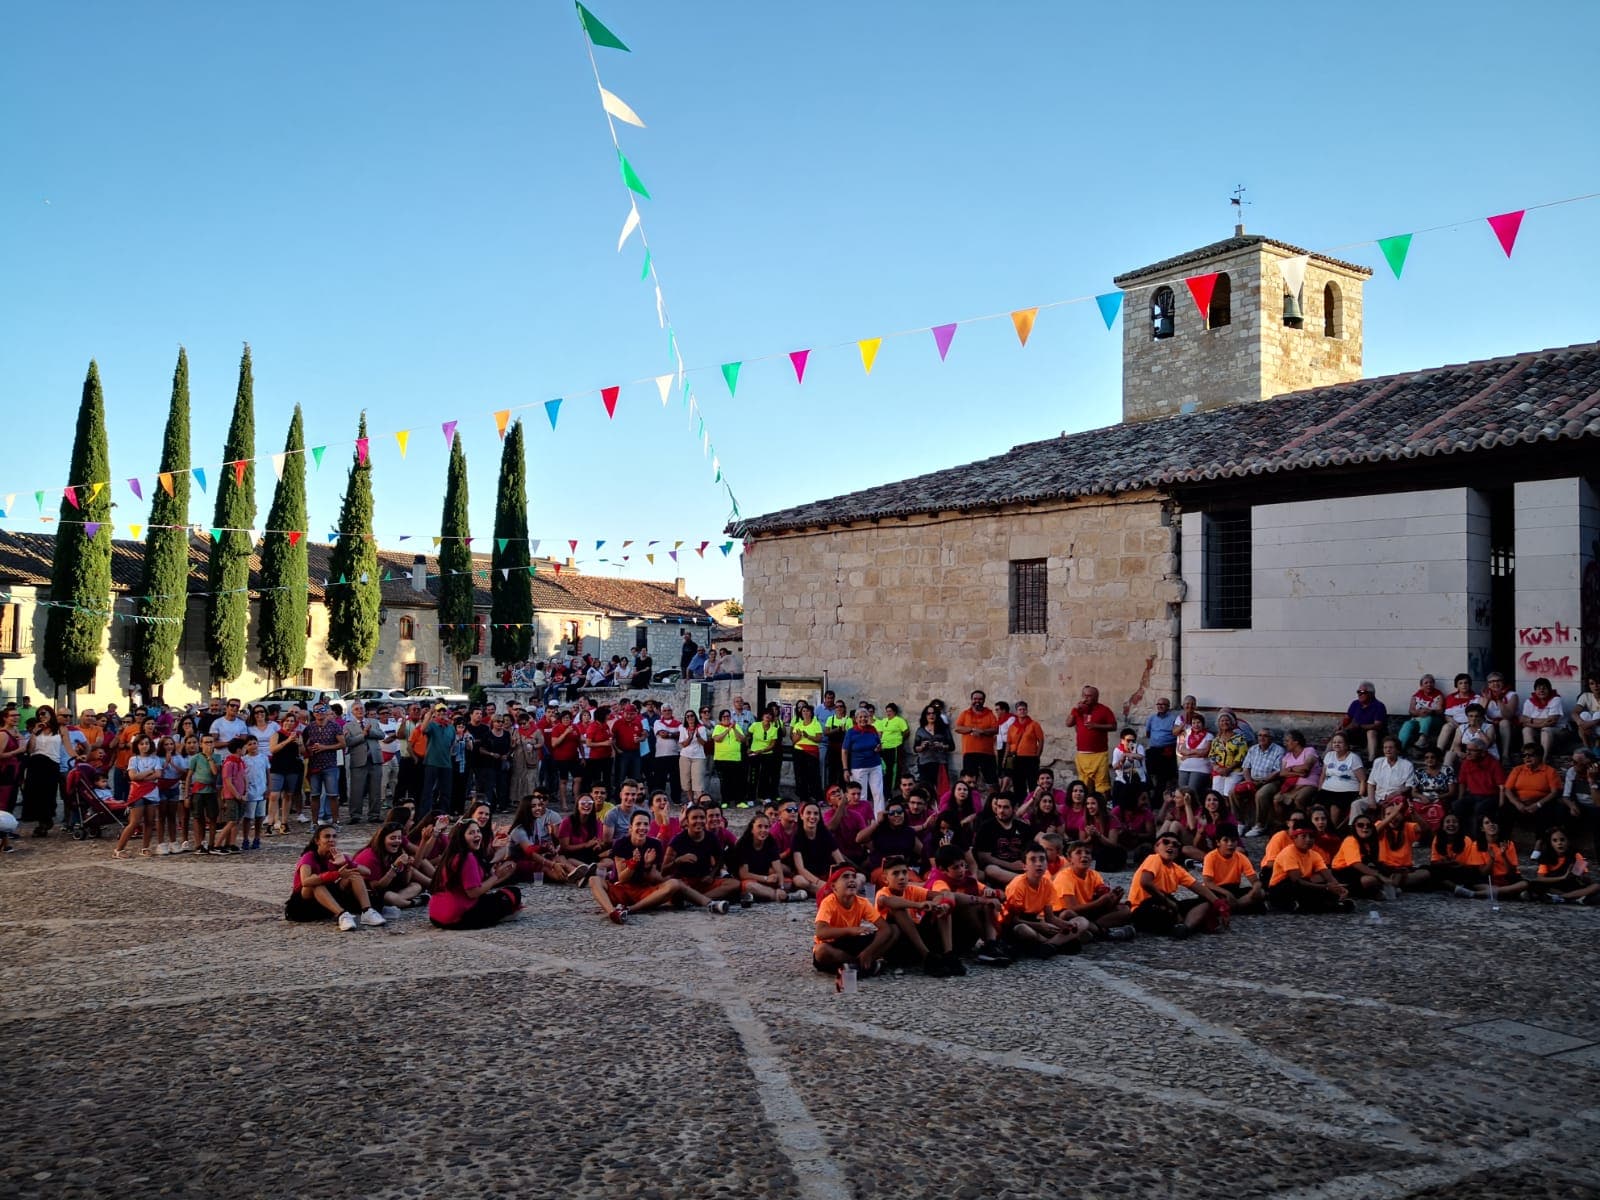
column 419, row 741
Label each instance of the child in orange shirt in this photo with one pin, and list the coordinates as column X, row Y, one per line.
column 1356, row 863
column 1028, row 918
column 1397, row 834
column 1563, row 874
column 1227, row 870
column 1500, row 861
column 1082, row 892
column 914, row 910
column 1054, row 861
column 1277, row 842
column 974, row 909
column 1157, row 907
column 1453, row 859
column 849, row 928
column 1301, row 880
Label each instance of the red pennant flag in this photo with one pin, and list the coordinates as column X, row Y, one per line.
column 1201, row 287
column 798, row 358
column 1505, row 228
column 574, row 544
column 238, row 474
column 558, row 568
column 294, row 537
column 609, row 396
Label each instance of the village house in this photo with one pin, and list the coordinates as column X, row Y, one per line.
column 593, row 614
column 1264, row 528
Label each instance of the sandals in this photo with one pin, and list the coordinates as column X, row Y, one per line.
column 120, row 854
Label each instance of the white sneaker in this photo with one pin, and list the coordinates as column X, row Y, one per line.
column 1254, row 831
column 390, row 912
column 161, row 850
column 347, row 923
column 372, row 917
column 186, row 847
column 303, row 818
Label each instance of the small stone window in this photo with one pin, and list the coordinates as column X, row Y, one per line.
column 1221, row 310
column 1225, row 551
column 1030, row 596
column 305, row 678
column 408, row 629
column 1332, row 311
column 1163, row 313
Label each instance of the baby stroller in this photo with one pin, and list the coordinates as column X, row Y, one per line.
column 95, row 812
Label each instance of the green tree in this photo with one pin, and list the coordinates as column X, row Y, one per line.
column 511, row 593
column 353, row 589
column 281, row 633
column 164, row 579
column 228, row 571
column 80, row 577
column 457, row 634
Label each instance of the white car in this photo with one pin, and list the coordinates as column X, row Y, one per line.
column 293, row 697
column 436, row 695
column 377, row 696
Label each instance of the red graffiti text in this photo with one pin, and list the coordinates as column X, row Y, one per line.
column 1545, row 635
column 1554, row 668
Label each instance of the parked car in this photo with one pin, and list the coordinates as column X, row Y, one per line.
column 290, row 697
column 436, row 695
column 371, row 696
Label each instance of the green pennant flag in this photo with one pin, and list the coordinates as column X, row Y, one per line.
column 341, row 577
column 500, row 544
column 1395, row 250
column 316, row 453
column 387, row 576
column 644, row 271
column 216, row 535
column 630, row 177
column 730, row 372
column 598, row 33
column 38, row 498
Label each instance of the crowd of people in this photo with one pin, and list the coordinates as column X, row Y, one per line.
column 567, row 672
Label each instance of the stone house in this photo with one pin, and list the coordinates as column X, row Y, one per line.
column 604, row 616
column 1264, row 528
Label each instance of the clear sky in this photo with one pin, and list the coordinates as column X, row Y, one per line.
column 413, row 209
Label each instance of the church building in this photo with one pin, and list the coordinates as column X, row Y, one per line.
column 1264, row 528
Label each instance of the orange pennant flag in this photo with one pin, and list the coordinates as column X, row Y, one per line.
column 238, row 473
column 166, row 482
column 1023, row 320
column 501, row 419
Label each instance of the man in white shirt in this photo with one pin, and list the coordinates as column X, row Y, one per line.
column 668, row 731
column 229, row 725
column 1389, row 776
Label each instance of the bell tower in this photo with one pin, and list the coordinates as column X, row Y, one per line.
column 1256, row 337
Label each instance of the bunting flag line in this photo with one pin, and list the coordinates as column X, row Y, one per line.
column 1022, row 321
column 869, row 352
column 1505, row 226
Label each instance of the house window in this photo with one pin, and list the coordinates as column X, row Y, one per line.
column 341, row 682
column 1332, row 311
column 641, row 636
column 574, row 632
column 1163, row 316
column 469, row 677
column 305, row 678
column 11, row 628
column 411, row 676
column 408, row 629
column 1029, row 595
column 1225, row 602
column 1221, row 310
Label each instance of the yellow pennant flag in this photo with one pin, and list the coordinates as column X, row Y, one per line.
column 135, row 530
column 166, row 482
column 613, row 104
column 436, row 543
column 651, row 558
column 96, row 488
column 1023, row 320
column 501, row 419
column 869, row 352
column 403, row 437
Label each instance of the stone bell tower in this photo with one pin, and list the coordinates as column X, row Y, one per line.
column 1256, row 339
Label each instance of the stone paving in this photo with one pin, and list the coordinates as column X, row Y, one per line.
column 169, row 1034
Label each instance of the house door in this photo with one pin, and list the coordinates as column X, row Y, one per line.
column 412, row 676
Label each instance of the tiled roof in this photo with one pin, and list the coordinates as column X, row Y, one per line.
column 1542, row 396
column 25, row 558
column 1227, row 246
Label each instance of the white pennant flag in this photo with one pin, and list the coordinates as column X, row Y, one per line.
column 679, row 357
column 664, row 386
column 505, row 572
column 277, row 464
column 1294, row 272
column 10, row 500
column 628, row 226
column 661, row 308
column 613, row 104
column 533, row 547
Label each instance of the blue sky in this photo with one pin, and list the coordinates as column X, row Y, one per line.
column 413, row 209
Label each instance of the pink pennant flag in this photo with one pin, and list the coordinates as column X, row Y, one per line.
column 574, row 545
column 798, row 358
column 1505, row 228
column 133, row 486
column 361, row 451
column 941, row 338
column 449, row 428
column 71, row 493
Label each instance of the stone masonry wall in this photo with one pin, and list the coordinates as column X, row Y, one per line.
column 907, row 610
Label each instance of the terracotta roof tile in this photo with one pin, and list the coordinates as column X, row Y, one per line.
column 1228, row 246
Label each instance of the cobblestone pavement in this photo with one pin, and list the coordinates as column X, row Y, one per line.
column 169, row 1034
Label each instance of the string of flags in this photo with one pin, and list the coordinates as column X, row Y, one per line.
column 103, row 613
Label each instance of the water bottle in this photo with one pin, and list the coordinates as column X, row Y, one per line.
column 846, row 983
column 1374, row 917
column 538, row 878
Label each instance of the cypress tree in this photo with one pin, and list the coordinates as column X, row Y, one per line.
column 164, row 580
column 511, row 606
column 228, row 572
column 353, row 590
column 457, row 633
column 80, row 577
column 281, row 635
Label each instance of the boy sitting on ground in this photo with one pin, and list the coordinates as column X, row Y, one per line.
column 849, row 928
column 920, row 916
column 1157, row 907
column 1028, row 919
column 1081, row 891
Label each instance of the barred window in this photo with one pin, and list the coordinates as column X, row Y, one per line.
column 1226, row 549
column 1030, row 595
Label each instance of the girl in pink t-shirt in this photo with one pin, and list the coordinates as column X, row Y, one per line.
column 386, row 867
column 463, row 897
column 327, row 885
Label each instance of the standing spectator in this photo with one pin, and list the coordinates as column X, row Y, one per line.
column 48, row 749
column 931, row 745
column 694, row 747
column 1160, row 745
column 229, row 725
column 627, row 740
column 805, row 735
column 322, row 743
column 727, row 746
column 893, row 730
column 597, row 746
column 363, row 754
column 1026, row 743
column 1194, row 756
column 644, row 668
column 1093, row 723
column 864, row 759
column 834, row 728
column 765, row 755
column 686, row 652
column 1366, row 717
column 668, row 744
column 978, row 727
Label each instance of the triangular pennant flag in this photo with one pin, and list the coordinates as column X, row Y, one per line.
column 403, row 439
column 71, row 493
column 664, row 386
column 678, row 545
column 505, row 572
column 941, row 338
column 238, row 473
column 134, row 531
column 333, row 536
column 1201, row 287
column 798, row 359
column 533, row 546
column 316, row 455
column 165, row 479
column 1293, row 270
column 1022, row 320
column 730, row 373
column 614, row 105
column 387, row 576
column 551, row 409
column 608, row 397
column 500, row 544
column 628, row 226
column 436, row 542
column 869, row 351
column 1395, row 250
column 557, row 567
column 1505, row 228
column 90, row 528
column 199, row 474
column 362, row 446
column 216, row 535
column 651, row 559
column 631, row 177
column 1110, row 304
column 598, row 544
column 277, row 464
column 501, row 420
column 644, row 273
column 701, row 549
column 136, row 488
column 626, row 542
column 725, row 547
column 572, row 544
column 96, row 488
column 294, row 537
column 342, row 579
column 467, row 541
column 673, row 554
column 10, row 500
column 599, row 35
column 661, row 306
column 39, row 499
column 448, row 428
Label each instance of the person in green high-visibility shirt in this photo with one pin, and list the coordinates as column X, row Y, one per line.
column 893, row 731
column 766, row 754
column 805, row 734
column 727, row 753
column 834, row 729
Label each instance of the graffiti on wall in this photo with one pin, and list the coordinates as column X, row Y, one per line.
column 1545, row 661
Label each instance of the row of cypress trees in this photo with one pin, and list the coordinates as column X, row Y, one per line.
column 81, row 596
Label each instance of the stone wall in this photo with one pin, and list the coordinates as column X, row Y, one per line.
column 907, row 610
column 1558, row 594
